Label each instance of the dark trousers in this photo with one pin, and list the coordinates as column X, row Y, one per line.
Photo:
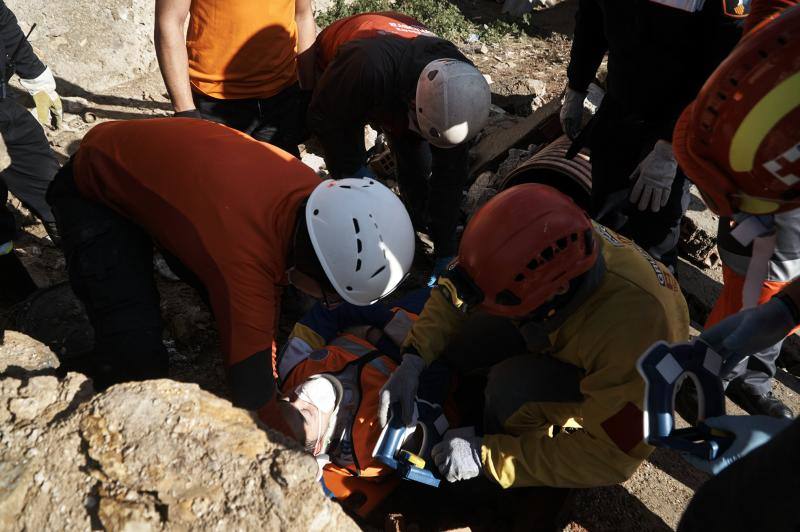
column 515, row 377
column 431, row 182
column 279, row 120
column 32, row 167
column 617, row 149
column 110, row 267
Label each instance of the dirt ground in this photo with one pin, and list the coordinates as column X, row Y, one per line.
column 525, row 72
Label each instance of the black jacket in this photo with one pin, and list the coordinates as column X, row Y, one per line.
column 12, row 42
column 372, row 81
column 658, row 56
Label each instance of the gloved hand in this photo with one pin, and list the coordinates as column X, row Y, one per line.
column 43, row 90
column 6, row 247
column 189, row 113
column 749, row 331
column 458, row 458
column 750, row 432
column 439, row 268
column 401, row 388
column 572, row 112
column 654, row 177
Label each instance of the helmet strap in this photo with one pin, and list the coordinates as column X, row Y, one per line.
column 555, row 312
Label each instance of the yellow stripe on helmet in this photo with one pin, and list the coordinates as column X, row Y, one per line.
column 776, row 104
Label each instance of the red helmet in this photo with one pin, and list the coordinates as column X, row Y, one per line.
column 525, row 246
column 739, row 141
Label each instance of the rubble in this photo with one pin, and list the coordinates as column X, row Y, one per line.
column 155, row 455
column 114, row 40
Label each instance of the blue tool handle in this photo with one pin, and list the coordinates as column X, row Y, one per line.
column 703, row 441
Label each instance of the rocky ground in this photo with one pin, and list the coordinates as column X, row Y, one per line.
column 68, row 457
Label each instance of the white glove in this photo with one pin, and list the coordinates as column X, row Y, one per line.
column 401, row 388
column 43, row 90
column 571, row 114
column 458, row 458
column 750, row 432
column 654, row 177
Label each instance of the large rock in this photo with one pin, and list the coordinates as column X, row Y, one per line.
column 21, row 351
column 157, row 455
column 92, row 45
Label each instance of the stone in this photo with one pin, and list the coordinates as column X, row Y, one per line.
column 91, row 47
column 155, row 455
column 21, row 351
column 537, row 87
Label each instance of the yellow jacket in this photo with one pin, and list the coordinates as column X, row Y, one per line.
column 637, row 303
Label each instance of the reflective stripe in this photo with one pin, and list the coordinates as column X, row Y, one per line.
column 398, row 327
column 761, row 119
column 296, row 351
column 692, row 6
column 380, row 365
column 350, row 346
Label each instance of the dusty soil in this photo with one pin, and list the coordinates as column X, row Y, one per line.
column 525, row 71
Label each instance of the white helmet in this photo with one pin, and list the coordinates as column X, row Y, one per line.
column 453, row 101
column 362, row 236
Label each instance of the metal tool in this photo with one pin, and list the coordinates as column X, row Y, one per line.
column 664, row 367
column 389, row 451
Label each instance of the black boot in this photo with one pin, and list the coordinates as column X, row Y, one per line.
column 757, row 403
column 15, row 281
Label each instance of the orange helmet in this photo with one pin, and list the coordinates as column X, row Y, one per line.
column 524, row 247
column 739, row 141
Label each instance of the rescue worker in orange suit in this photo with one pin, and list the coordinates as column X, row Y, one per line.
column 761, row 73
column 329, row 373
column 560, row 308
column 238, row 64
column 389, row 71
column 738, row 142
column 659, row 54
column 239, row 227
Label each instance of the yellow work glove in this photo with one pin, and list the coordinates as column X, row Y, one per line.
column 48, row 104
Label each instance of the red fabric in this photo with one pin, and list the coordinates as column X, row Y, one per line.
column 625, row 428
column 365, row 26
column 221, row 202
column 763, row 10
column 730, row 299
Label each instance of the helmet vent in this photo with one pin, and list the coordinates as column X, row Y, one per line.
column 507, row 298
column 345, row 186
column 355, row 226
column 358, row 265
column 349, row 288
column 432, row 74
column 379, row 270
column 519, row 278
column 358, row 245
column 316, row 212
column 588, row 241
column 532, row 265
column 434, row 132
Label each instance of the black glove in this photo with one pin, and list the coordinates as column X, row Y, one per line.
column 189, row 113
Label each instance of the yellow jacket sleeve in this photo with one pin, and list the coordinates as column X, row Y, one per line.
column 438, row 323
column 611, row 444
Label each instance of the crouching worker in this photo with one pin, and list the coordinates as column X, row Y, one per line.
column 330, row 372
column 236, row 218
column 560, row 308
column 388, row 70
